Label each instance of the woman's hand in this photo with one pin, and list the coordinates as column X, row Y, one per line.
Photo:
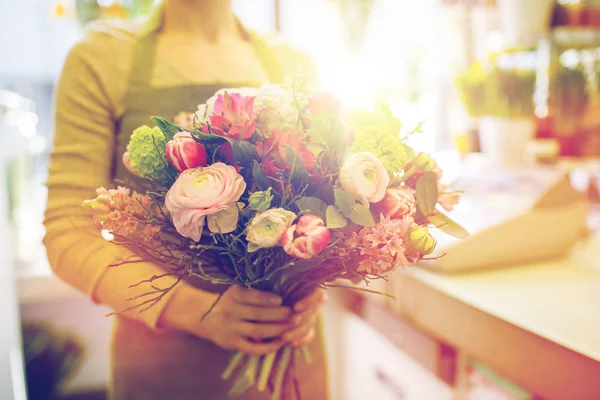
column 305, row 318
column 243, row 319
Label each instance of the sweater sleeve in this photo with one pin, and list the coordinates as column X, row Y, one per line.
column 81, row 162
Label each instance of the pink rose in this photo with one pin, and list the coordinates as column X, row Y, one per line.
column 307, row 238
column 183, row 152
column 127, row 163
column 205, row 192
column 397, row 202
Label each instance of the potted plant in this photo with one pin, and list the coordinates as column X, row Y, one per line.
column 502, row 99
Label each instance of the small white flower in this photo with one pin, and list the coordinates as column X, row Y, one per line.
column 266, row 228
column 277, row 109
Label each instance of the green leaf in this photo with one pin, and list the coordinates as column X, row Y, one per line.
column 296, row 163
column 427, row 193
column 446, row 225
column 312, row 205
column 320, row 131
column 335, row 220
column 361, row 215
column 168, row 128
column 344, row 201
column 324, row 192
column 259, row 177
column 243, row 152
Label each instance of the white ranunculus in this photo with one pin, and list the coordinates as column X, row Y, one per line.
column 277, row 109
column 266, row 228
column 364, row 177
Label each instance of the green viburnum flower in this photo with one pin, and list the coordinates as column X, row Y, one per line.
column 147, row 153
column 378, row 132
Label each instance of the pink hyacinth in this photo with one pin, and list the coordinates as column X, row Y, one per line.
column 307, row 238
column 123, row 213
column 234, row 116
column 382, row 248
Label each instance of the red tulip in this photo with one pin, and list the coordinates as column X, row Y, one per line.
column 307, row 238
column 183, row 152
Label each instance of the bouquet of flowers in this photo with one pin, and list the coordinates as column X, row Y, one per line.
column 278, row 190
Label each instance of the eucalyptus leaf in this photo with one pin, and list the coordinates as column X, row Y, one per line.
column 447, row 225
column 335, row 220
column 312, row 205
column 325, row 193
column 344, row 201
column 427, row 193
column 361, row 215
column 320, row 131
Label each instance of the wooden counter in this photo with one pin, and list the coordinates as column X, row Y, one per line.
column 537, row 325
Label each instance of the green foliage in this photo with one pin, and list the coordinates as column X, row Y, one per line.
column 361, row 215
column 378, row 132
column 344, row 201
column 335, row 220
column 312, row 205
column 427, row 193
column 447, row 225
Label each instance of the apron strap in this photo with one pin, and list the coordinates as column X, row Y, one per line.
column 144, row 53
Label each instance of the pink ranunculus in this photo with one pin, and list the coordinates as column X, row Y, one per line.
column 183, row 152
column 307, row 238
column 234, row 117
column 206, row 192
column 127, row 163
column 397, row 202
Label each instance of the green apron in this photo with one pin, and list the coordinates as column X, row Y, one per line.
column 161, row 365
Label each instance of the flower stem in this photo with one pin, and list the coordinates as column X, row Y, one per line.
column 306, row 354
column 247, row 377
column 233, row 363
column 265, row 371
column 282, row 367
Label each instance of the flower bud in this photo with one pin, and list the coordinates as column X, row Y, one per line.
column 419, row 239
column 183, row 152
column 260, row 201
column 307, row 238
column 416, row 167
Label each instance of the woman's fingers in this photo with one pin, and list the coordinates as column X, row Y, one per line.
column 306, row 339
column 259, row 348
column 254, row 297
column 313, row 300
column 261, row 330
column 299, row 331
column 264, row 314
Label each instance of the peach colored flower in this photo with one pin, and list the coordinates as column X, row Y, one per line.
column 206, row 192
column 447, row 199
column 397, row 202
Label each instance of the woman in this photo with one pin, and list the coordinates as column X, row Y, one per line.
column 112, row 81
